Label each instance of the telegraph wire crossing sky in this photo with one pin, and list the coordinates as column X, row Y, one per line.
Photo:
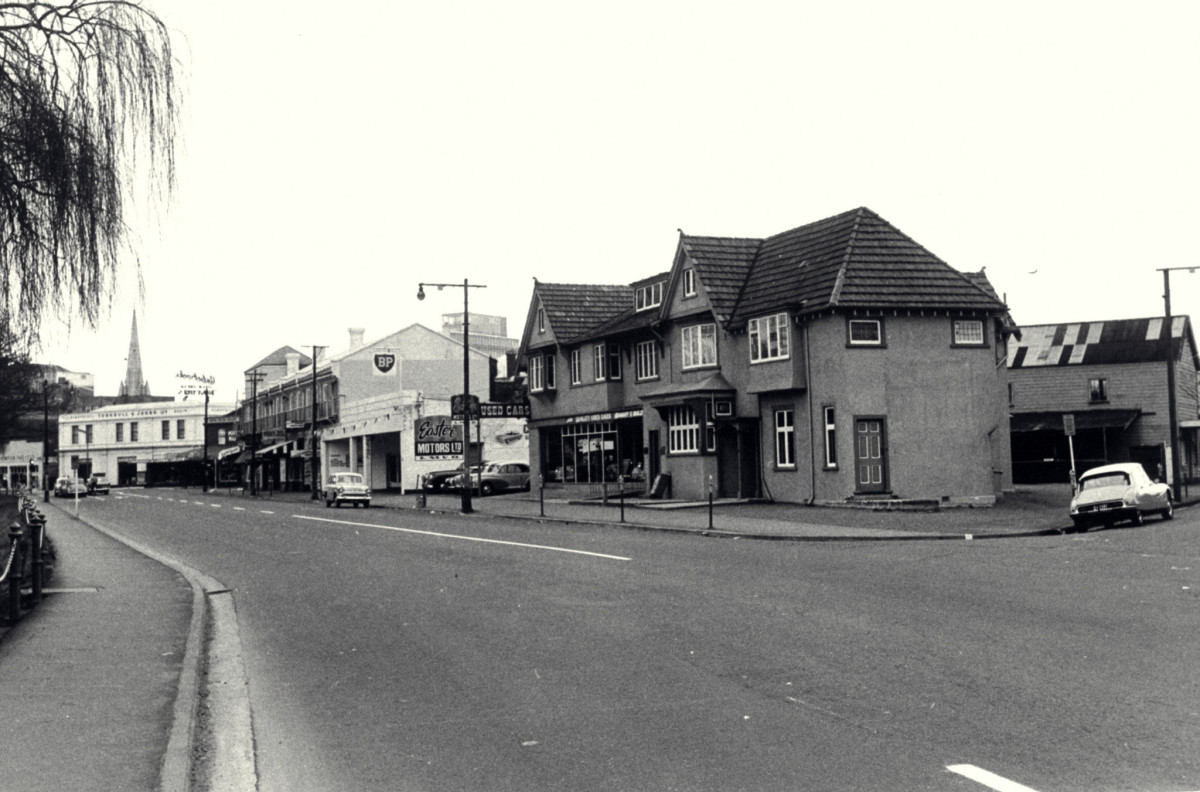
column 330, row 163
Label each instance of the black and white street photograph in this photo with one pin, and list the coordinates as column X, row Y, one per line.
column 638, row 397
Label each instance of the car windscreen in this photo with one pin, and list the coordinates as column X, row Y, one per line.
column 1105, row 480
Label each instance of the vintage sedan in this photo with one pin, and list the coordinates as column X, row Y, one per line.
column 498, row 477
column 347, row 488
column 1114, row 493
column 67, row 487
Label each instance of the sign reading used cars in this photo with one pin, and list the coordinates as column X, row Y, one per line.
column 495, row 410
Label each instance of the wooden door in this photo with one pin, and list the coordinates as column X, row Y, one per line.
column 870, row 455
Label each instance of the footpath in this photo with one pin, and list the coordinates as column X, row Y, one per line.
column 99, row 688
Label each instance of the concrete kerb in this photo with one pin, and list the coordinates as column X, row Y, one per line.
column 831, row 534
column 212, row 659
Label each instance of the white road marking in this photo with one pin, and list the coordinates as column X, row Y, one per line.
column 464, row 538
column 264, row 511
column 239, row 508
column 988, row 779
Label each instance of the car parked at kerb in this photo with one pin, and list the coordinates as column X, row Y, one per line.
column 1111, row 494
column 497, row 477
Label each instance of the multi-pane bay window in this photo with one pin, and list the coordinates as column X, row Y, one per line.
column 541, row 373
column 699, row 346
column 769, row 339
column 785, row 438
column 683, row 430
column 647, row 360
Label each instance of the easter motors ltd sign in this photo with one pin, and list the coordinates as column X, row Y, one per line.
column 438, row 437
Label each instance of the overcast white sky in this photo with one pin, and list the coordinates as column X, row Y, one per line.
column 335, row 156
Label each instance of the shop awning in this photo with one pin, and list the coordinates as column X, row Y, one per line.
column 1084, row 419
column 280, row 447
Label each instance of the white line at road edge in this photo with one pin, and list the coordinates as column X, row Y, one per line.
column 988, row 779
column 463, row 538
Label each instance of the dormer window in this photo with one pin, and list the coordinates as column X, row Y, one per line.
column 649, row 296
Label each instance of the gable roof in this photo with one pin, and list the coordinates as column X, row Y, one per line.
column 1097, row 343
column 279, row 358
column 572, row 309
column 854, row 260
column 722, row 264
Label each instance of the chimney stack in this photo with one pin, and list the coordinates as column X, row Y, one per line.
column 293, row 362
column 356, row 337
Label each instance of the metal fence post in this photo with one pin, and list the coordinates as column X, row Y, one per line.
column 542, row 496
column 14, row 574
column 37, row 536
column 621, row 485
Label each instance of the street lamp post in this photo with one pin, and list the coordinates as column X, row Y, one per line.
column 1172, row 407
column 45, row 440
column 466, row 287
column 312, row 448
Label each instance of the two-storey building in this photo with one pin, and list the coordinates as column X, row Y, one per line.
column 361, row 409
column 836, row 360
column 1111, row 378
column 141, row 444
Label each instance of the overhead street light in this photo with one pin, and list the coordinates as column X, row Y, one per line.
column 466, row 286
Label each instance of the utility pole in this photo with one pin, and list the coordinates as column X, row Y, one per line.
column 314, row 460
column 1172, row 406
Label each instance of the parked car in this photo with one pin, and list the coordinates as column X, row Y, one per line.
column 67, row 487
column 1111, row 494
column 440, row 479
column 498, row 477
column 97, row 484
column 347, row 488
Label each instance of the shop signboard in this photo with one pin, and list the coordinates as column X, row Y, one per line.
column 438, row 437
column 491, row 409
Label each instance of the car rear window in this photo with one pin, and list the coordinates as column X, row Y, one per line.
column 1106, row 480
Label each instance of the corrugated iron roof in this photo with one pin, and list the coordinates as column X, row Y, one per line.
column 1099, row 343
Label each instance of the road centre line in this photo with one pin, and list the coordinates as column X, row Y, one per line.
column 988, row 778
column 464, row 538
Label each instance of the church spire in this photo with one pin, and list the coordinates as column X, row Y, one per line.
column 134, row 386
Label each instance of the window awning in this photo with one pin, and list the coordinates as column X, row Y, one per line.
column 1084, row 419
column 713, row 386
column 281, row 447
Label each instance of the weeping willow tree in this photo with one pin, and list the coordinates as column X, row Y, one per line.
column 88, row 113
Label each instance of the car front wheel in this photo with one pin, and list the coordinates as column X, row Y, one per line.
column 1138, row 518
column 1168, row 512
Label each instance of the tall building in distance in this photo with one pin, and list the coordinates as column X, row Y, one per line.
column 134, row 387
column 488, row 334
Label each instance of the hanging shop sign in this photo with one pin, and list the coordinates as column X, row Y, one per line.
column 438, row 437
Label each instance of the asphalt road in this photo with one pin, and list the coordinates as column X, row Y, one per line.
column 395, row 650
